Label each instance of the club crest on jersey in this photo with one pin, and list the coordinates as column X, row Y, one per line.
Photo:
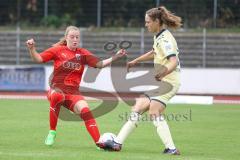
column 78, row 56
column 168, row 47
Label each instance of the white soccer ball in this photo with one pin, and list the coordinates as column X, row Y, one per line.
column 107, row 137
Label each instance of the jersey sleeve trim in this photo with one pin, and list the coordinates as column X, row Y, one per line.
column 171, row 55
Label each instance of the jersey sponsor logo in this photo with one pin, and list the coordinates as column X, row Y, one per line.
column 71, row 65
column 78, row 57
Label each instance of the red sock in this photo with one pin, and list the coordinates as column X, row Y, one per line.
column 90, row 124
column 56, row 100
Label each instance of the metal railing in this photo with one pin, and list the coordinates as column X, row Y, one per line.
column 197, row 49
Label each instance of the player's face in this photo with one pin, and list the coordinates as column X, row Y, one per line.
column 73, row 39
column 152, row 26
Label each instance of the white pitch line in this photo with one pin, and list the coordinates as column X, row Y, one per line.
column 182, row 100
column 21, row 97
column 34, row 154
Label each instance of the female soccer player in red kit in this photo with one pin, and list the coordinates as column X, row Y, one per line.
column 69, row 61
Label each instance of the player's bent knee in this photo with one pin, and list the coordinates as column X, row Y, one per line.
column 56, row 97
column 79, row 106
column 158, row 121
column 153, row 112
column 142, row 100
column 141, row 106
column 134, row 117
column 138, row 110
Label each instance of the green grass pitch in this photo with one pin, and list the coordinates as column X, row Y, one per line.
column 201, row 132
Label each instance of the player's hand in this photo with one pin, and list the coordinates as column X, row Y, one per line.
column 121, row 53
column 30, row 43
column 158, row 77
column 162, row 72
column 131, row 64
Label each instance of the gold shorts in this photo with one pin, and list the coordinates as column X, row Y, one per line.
column 164, row 93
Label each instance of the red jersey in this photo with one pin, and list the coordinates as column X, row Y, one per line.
column 68, row 67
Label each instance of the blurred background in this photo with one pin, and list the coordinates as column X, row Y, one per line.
column 113, row 13
column 209, row 38
column 206, row 108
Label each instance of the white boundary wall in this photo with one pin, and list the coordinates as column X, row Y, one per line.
column 193, row 81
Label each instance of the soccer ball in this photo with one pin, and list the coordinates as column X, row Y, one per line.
column 107, row 137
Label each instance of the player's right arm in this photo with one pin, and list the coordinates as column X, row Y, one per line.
column 145, row 57
column 32, row 51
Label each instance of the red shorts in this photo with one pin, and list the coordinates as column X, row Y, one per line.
column 69, row 99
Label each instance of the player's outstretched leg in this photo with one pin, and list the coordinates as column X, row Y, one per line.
column 142, row 104
column 125, row 131
column 91, row 125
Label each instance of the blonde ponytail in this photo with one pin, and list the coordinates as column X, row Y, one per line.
column 61, row 42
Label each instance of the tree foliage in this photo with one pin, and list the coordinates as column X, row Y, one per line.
column 115, row 13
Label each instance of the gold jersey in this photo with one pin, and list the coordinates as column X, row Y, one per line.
column 164, row 47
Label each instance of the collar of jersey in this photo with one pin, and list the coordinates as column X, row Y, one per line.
column 160, row 32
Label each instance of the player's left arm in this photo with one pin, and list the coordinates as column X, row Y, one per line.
column 108, row 61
